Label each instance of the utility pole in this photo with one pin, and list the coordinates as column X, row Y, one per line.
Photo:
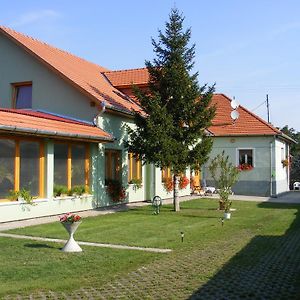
column 268, row 108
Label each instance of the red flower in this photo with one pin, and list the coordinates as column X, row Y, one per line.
column 69, row 217
column 245, row 167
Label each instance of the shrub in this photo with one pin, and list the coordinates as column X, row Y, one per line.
column 115, row 190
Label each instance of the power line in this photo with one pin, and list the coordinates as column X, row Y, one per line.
column 259, row 106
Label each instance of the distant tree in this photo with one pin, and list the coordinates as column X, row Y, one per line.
column 292, row 133
column 177, row 111
column 295, row 153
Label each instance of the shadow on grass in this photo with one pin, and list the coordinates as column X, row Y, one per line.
column 267, row 268
column 38, row 246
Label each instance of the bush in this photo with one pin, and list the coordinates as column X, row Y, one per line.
column 115, row 190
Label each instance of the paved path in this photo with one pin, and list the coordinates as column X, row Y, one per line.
column 124, row 247
column 183, row 275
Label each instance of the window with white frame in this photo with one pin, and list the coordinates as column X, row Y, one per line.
column 246, row 157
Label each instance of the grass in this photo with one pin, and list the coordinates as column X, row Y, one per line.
column 28, row 266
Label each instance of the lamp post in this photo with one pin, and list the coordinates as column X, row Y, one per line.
column 182, row 236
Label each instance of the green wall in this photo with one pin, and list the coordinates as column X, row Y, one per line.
column 266, row 163
column 49, row 91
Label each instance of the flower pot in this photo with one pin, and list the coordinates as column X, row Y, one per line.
column 227, row 215
column 71, row 245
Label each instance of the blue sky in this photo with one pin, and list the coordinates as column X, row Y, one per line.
column 248, row 48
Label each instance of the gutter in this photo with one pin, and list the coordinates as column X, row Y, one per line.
column 286, row 137
column 55, row 133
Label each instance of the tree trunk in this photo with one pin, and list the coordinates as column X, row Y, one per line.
column 176, row 191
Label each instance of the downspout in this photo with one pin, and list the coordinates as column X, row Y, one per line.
column 98, row 179
column 289, row 166
column 271, row 168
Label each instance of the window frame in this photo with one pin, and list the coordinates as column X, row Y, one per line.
column 15, row 86
column 69, row 163
column 166, row 174
column 238, row 155
column 17, row 164
column 138, row 165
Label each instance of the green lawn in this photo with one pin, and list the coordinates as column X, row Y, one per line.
column 27, row 265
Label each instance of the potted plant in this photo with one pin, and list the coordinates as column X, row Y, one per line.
column 285, row 163
column 137, row 183
column 168, row 184
column 24, row 196
column 183, row 182
column 115, row 190
column 71, row 221
column 245, row 167
column 78, row 190
column 59, row 190
column 225, row 175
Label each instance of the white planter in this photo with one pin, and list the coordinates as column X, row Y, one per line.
column 71, row 245
column 227, row 216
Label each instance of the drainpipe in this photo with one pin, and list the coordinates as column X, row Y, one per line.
column 102, row 110
column 288, row 167
column 271, row 169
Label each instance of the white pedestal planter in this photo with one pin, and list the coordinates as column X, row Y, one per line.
column 71, row 245
column 227, row 216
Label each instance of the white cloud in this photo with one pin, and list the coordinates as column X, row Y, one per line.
column 34, row 17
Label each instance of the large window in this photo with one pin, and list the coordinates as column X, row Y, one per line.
column 134, row 168
column 71, row 164
column 61, row 164
column 29, row 166
column 112, row 165
column 7, row 167
column 22, row 95
column 21, row 166
column 246, row 157
column 78, row 165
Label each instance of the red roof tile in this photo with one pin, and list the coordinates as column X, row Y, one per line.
column 101, row 84
column 126, row 78
column 247, row 123
column 42, row 124
column 84, row 75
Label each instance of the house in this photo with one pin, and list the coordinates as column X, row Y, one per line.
column 260, row 150
column 63, row 122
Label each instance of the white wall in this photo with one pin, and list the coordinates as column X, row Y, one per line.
column 281, row 173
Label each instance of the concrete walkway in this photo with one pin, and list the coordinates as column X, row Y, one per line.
column 113, row 246
column 292, row 197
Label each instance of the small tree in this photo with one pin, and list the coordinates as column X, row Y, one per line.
column 171, row 133
column 225, row 175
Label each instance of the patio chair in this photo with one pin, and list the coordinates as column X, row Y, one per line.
column 296, row 185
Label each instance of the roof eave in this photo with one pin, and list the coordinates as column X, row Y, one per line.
column 286, row 138
column 55, row 134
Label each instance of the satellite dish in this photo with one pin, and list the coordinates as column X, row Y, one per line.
column 234, row 104
column 234, row 115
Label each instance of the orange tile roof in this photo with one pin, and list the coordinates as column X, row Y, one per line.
column 247, row 123
column 20, row 121
column 126, row 78
column 102, row 84
column 84, row 75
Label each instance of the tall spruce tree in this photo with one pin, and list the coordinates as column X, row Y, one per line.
column 171, row 133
